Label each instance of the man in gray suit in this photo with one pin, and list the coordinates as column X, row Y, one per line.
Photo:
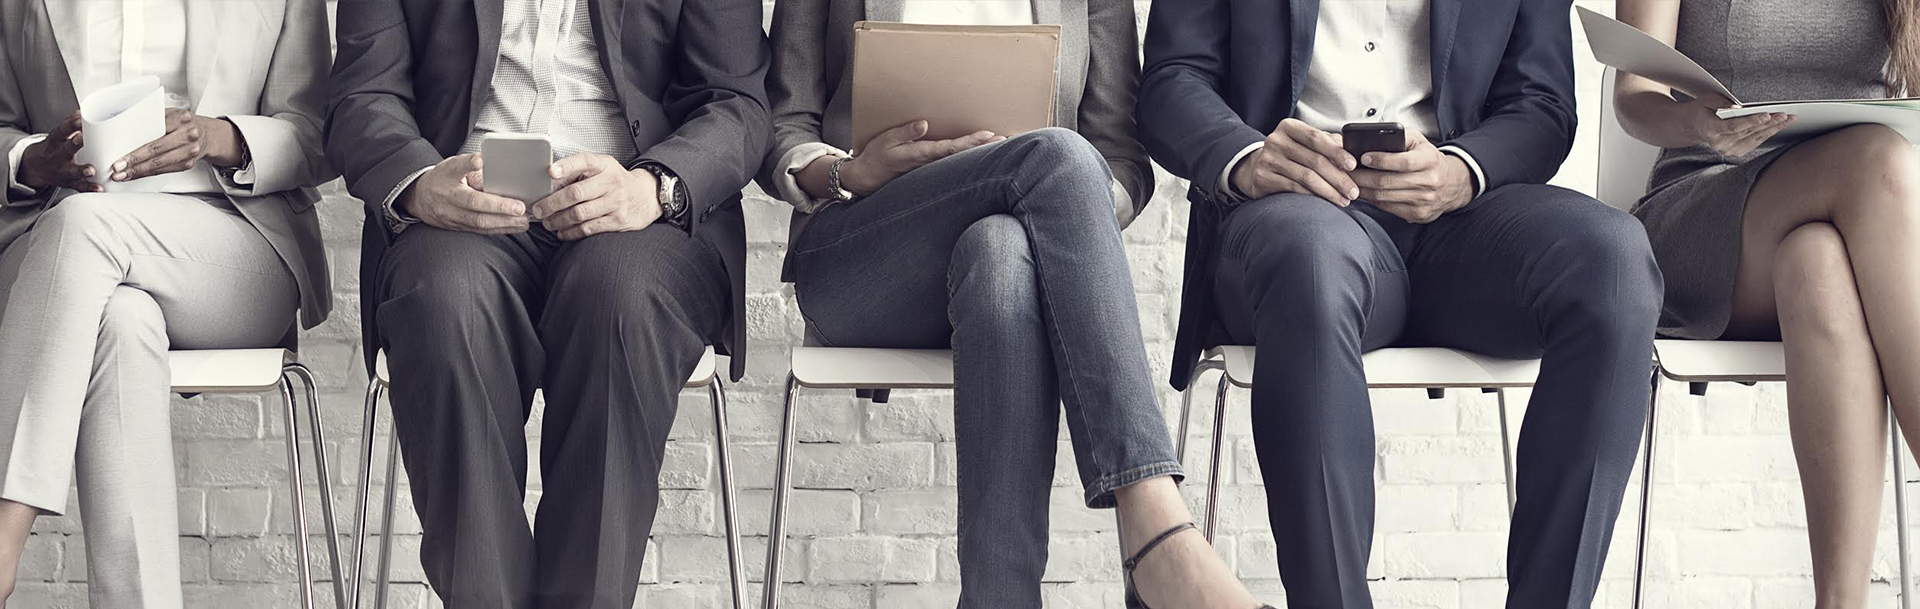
column 605, row 298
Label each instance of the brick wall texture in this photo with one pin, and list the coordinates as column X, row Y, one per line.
column 872, row 519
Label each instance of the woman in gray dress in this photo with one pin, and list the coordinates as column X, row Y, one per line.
column 1814, row 241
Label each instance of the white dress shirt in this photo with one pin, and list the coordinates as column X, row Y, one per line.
column 549, row 80
column 1372, row 63
column 930, row 12
column 120, row 41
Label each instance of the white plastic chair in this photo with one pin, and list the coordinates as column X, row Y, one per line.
column 259, row 371
column 705, row 375
column 872, row 374
column 1433, row 369
column 1625, row 165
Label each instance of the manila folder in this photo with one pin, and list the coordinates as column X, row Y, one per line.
column 960, row 79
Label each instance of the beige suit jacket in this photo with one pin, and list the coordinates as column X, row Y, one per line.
column 262, row 64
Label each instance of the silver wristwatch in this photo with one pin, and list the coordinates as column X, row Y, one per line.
column 673, row 199
column 839, row 193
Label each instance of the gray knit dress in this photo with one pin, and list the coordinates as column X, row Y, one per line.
column 1764, row 50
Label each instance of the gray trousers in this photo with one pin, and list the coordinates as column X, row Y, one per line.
column 609, row 327
column 1523, row 272
column 95, row 295
column 1010, row 254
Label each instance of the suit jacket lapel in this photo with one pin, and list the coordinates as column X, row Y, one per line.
column 487, row 14
column 886, row 10
column 203, row 47
column 1445, row 18
column 1306, row 15
column 1048, row 12
column 67, row 30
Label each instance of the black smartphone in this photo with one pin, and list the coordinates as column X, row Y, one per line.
column 1362, row 138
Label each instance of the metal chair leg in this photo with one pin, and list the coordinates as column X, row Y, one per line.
column 325, row 477
column 1646, row 495
column 374, row 390
column 1506, row 452
column 1219, row 450
column 385, row 566
column 776, row 533
column 299, row 493
column 1186, row 407
column 1900, row 512
column 736, row 572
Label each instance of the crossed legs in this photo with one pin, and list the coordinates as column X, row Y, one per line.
column 1829, row 243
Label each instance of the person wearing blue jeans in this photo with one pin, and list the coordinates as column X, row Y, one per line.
column 1317, row 255
column 1007, row 250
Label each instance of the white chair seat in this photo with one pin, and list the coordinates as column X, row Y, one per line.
column 838, row 368
column 702, row 372
column 1411, row 368
column 1703, row 361
column 227, row 370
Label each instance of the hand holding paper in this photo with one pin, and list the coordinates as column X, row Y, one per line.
column 51, row 163
column 189, row 139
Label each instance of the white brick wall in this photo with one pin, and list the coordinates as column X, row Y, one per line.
column 873, row 520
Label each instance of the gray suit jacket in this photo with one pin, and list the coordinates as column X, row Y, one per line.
column 690, row 76
column 261, row 64
column 812, row 79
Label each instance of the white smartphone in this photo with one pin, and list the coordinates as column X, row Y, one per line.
column 514, row 165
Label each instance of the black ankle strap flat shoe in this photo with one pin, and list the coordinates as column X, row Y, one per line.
column 1127, row 566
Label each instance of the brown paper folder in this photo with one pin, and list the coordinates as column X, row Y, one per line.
column 960, row 79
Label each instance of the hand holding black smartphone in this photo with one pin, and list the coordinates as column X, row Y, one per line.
column 1362, row 138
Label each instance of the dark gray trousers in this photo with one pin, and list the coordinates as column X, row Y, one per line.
column 610, row 327
column 1523, row 272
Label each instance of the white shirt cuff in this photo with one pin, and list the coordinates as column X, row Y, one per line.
column 1479, row 177
column 395, row 222
column 13, row 162
column 1226, row 175
column 1122, row 205
column 791, row 164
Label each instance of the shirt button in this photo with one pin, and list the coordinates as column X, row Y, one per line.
column 1371, row 112
column 1370, row 47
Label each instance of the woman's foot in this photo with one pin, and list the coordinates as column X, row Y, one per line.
column 1183, row 571
column 16, row 522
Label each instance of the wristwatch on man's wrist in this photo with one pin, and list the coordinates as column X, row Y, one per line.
column 673, row 198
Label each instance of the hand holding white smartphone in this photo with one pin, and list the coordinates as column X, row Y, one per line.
column 514, row 165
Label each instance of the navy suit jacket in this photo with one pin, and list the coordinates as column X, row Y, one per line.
column 1221, row 74
column 410, row 75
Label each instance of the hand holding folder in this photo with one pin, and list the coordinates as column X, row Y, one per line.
column 961, row 80
column 1628, row 49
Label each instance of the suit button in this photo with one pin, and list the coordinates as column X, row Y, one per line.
column 1453, row 134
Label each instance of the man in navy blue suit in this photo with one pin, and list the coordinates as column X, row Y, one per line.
column 1316, row 257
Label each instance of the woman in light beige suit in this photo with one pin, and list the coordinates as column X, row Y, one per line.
column 219, row 249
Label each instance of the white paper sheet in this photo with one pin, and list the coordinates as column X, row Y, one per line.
column 115, row 121
column 1628, row 49
column 1814, row 118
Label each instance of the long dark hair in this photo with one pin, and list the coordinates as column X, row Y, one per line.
column 1903, row 42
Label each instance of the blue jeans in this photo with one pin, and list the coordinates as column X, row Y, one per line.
column 1008, row 253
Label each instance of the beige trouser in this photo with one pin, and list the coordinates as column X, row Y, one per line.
column 93, row 297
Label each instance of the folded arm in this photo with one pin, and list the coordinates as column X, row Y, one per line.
column 370, row 134
column 1184, row 118
column 718, row 99
column 284, row 139
column 1107, row 106
column 1530, row 130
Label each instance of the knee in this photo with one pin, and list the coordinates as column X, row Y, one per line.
column 1301, row 242
column 1814, row 286
column 993, row 267
column 1606, row 273
column 84, row 214
column 132, row 320
column 442, row 282
column 1058, row 152
column 598, row 285
column 1883, row 170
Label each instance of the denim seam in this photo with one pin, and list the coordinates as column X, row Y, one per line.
column 1107, row 484
column 1064, row 357
column 875, row 224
